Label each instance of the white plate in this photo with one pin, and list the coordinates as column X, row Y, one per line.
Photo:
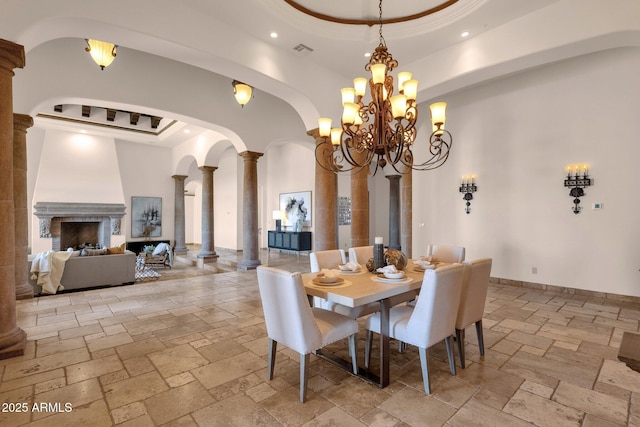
column 338, row 281
column 385, row 280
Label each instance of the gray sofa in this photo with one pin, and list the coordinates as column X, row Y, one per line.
column 82, row 272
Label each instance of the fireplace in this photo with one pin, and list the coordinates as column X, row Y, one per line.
column 76, row 224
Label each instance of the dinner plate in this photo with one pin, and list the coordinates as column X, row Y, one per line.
column 417, row 268
column 383, row 279
column 338, row 281
column 351, row 272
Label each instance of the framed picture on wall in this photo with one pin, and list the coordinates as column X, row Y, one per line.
column 146, row 217
column 297, row 208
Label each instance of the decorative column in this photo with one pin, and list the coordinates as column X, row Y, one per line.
column 21, row 122
column 360, row 205
column 250, row 244
column 207, row 252
column 12, row 339
column 406, row 220
column 326, row 205
column 394, row 211
column 178, row 215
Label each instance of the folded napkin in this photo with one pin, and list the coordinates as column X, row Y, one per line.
column 328, row 273
column 423, row 264
column 388, row 269
column 350, row 266
column 428, row 258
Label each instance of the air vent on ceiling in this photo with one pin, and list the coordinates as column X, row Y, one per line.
column 302, row 49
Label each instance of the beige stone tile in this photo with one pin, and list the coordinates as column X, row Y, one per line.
column 223, row 350
column 497, row 381
column 592, row 402
column 262, row 391
column 139, row 348
column 20, row 412
column 334, row 417
column 566, row 345
column 475, row 413
column 128, row 412
column 380, row 418
column 114, row 377
column 142, row 326
column 180, row 379
column 416, row 408
column 59, row 346
column 44, row 364
column 176, row 402
column 138, row 365
column 31, row 380
column 76, row 395
column 354, row 396
column 537, row 389
column 175, row 360
column 618, row 374
column 541, row 411
column 110, row 341
column 134, row 389
column 93, row 368
column 537, row 341
column 50, row 385
column 238, row 411
column 225, row 370
column 94, row 414
column 593, row 421
column 577, row 330
column 506, row 346
column 114, row 329
column 80, row 331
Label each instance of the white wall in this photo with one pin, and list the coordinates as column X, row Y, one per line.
column 226, row 218
column 517, row 134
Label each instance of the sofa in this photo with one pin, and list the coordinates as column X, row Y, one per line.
column 84, row 272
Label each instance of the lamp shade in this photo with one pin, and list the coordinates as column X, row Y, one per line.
column 336, row 135
column 402, row 78
column 348, row 94
column 410, row 89
column 242, row 92
column 349, row 113
column 324, row 126
column 103, row 53
column 378, row 73
column 360, row 86
column 398, row 106
column 438, row 110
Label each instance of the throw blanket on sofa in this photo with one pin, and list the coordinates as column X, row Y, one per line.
column 49, row 267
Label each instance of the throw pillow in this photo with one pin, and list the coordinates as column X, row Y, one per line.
column 161, row 249
column 116, row 250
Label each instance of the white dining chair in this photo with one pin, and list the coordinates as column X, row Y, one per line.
column 361, row 254
column 292, row 322
column 446, row 253
column 331, row 259
column 432, row 319
column 475, row 284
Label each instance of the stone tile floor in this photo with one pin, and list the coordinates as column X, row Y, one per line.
column 190, row 349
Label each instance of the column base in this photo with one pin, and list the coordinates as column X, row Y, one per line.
column 24, row 291
column 251, row 264
column 13, row 344
column 181, row 251
column 206, row 259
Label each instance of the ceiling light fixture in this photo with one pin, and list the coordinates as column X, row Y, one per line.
column 242, row 92
column 103, row 53
column 384, row 129
column 465, row 34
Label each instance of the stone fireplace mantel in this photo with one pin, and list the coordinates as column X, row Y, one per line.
column 51, row 214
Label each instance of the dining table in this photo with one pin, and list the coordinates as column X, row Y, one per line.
column 355, row 289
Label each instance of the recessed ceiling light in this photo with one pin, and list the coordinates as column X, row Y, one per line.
column 464, row 34
column 367, row 55
column 187, row 131
column 274, row 35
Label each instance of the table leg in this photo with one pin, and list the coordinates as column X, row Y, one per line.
column 384, row 343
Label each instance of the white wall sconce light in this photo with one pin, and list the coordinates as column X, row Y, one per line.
column 103, row 53
column 242, row 92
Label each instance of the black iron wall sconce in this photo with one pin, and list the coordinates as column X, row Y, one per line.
column 577, row 180
column 468, row 187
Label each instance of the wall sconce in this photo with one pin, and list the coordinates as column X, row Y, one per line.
column 242, row 92
column 468, row 187
column 577, row 180
column 278, row 216
column 103, row 53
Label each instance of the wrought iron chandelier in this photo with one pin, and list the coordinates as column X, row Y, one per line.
column 383, row 130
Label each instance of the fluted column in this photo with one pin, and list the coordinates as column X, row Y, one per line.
column 21, row 122
column 12, row 338
column 178, row 215
column 406, row 203
column 394, row 211
column 250, row 244
column 326, row 205
column 208, row 250
column 360, row 205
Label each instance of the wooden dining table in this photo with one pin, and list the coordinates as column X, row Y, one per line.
column 359, row 289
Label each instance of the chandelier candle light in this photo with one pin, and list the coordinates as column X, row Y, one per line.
column 385, row 128
column 577, row 179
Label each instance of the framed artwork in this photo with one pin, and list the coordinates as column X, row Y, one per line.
column 146, row 217
column 297, row 208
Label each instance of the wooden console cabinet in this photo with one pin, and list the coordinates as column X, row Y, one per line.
column 289, row 240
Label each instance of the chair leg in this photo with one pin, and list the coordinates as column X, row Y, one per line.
column 451, row 354
column 425, row 369
column 460, row 340
column 480, row 336
column 367, row 349
column 273, row 344
column 304, row 370
column 353, row 349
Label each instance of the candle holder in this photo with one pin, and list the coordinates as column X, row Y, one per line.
column 378, row 254
column 468, row 187
column 577, row 180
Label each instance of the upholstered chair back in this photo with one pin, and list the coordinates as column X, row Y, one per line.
column 361, row 254
column 326, row 259
column 474, row 292
column 446, row 253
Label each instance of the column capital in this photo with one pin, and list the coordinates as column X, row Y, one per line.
column 315, row 134
column 393, row 177
column 179, row 177
column 208, row 168
column 22, row 122
column 250, row 155
column 11, row 55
